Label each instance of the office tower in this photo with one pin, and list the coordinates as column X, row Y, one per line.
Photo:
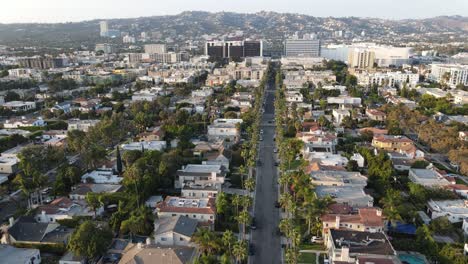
column 104, row 28
column 305, row 47
column 234, row 48
column 361, row 58
column 155, row 48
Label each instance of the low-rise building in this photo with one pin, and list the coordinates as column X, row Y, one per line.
column 145, row 145
column 200, row 181
column 225, row 129
column 346, row 246
column 391, row 143
column 354, row 196
column 174, row 231
column 28, row 231
column 376, row 115
column 454, row 210
column 101, row 176
column 82, row 125
column 80, row 191
column 367, row 219
column 337, row 178
column 64, row 208
column 13, row 255
column 24, row 122
column 428, row 177
column 19, row 106
column 201, row 209
column 155, row 254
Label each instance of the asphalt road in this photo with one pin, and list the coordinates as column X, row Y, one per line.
column 266, row 241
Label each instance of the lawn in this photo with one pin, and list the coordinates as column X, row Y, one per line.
column 312, row 246
column 460, row 181
column 307, row 258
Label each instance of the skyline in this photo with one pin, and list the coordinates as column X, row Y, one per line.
column 56, row 11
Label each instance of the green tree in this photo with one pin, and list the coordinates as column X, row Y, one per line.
column 206, row 241
column 240, row 251
column 90, row 240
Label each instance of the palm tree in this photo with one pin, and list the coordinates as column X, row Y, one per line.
column 390, row 204
column 243, row 219
column 206, row 241
column 242, row 172
column 236, row 201
column 228, row 239
column 246, row 202
column 249, row 184
column 240, row 251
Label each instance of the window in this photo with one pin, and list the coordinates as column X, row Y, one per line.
column 211, row 217
column 194, row 216
column 181, row 239
column 163, row 239
column 174, row 215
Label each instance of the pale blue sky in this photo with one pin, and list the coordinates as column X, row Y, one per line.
column 76, row 10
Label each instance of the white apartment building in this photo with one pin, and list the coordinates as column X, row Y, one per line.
column 387, row 78
column 200, row 180
column 361, row 58
column 302, row 47
column 153, row 145
column 155, row 48
column 146, row 95
column 452, row 74
column 427, row 177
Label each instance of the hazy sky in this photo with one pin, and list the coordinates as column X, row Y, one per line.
column 76, row 10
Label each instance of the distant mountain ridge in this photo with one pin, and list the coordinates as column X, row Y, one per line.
column 193, row 24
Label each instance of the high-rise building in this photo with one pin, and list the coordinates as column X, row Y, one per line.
column 104, row 28
column 305, row 47
column 40, row 63
column 361, row 58
column 234, row 48
column 155, row 48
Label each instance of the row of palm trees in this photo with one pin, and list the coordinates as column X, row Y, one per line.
column 297, row 198
column 235, row 248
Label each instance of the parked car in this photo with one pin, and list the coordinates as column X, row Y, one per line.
column 316, row 239
column 253, row 224
column 251, row 249
column 277, row 204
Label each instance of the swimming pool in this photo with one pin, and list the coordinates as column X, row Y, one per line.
column 411, row 259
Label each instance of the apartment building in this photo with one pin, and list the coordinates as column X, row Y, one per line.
column 304, row 47
column 201, row 209
column 451, row 74
column 200, row 180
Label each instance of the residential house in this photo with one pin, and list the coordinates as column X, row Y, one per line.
column 323, row 142
column 64, row 208
column 201, row 209
column 24, row 122
column 200, row 180
column 337, row 178
column 220, row 157
column 14, row 255
column 174, row 231
column 366, row 219
column 151, row 134
column 28, row 231
column 399, row 144
column 70, row 258
column 154, row 254
column 145, row 145
column 80, row 190
column 346, row 246
column 102, row 175
column 376, row 115
column 82, row 125
column 428, row 177
column 354, row 196
column 223, row 128
column 454, row 210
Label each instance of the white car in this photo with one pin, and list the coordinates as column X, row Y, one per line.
column 316, row 239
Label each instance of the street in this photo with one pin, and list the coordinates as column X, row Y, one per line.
column 265, row 239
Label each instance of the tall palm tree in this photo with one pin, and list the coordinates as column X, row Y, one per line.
column 206, row 241
column 240, row 251
column 244, row 219
column 249, row 184
column 228, row 239
column 246, row 202
column 236, row 201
